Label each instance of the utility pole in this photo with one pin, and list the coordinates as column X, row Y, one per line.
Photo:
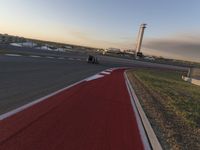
column 139, row 40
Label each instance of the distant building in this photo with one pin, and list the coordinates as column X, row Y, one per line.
column 113, row 50
column 6, row 39
column 194, row 73
column 149, row 58
column 129, row 51
column 1, row 38
column 193, row 76
column 68, row 47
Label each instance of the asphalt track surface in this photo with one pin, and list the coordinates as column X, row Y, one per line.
column 26, row 78
column 92, row 115
column 23, row 79
column 95, row 114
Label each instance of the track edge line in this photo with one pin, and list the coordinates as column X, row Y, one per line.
column 23, row 107
column 148, row 135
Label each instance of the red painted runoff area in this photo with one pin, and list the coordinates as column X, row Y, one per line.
column 94, row 115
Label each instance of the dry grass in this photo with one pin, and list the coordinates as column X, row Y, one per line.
column 172, row 105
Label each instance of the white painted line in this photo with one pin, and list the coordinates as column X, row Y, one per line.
column 70, row 58
column 109, row 70
column 105, row 72
column 12, row 112
column 14, row 55
column 8, row 114
column 115, row 68
column 34, row 56
column 94, row 77
column 142, row 120
column 140, row 126
column 15, row 111
column 50, row 57
column 78, row 59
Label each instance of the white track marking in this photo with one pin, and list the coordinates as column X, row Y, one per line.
column 15, row 111
column 94, row 77
column 142, row 120
column 139, row 122
column 14, row 55
column 112, row 69
column 12, row 112
column 70, row 58
column 109, row 70
column 105, row 72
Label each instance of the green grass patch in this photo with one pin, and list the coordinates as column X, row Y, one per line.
column 2, row 52
column 181, row 97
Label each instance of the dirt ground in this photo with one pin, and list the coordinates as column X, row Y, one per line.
column 169, row 127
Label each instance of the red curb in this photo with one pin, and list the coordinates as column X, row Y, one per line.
column 91, row 115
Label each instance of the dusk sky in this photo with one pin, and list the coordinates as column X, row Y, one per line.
column 173, row 28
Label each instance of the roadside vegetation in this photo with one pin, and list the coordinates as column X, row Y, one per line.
column 171, row 104
column 2, row 52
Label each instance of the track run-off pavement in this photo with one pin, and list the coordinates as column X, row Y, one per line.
column 95, row 114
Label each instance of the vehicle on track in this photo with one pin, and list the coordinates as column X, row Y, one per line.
column 92, row 59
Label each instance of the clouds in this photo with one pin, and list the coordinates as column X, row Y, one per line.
column 184, row 46
column 93, row 39
column 181, row 46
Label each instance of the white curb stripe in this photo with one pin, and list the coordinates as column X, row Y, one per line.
column 142, row 120
column 94, row 77
column 14, row 55
column 104, row 72
column 19, row 109
column 12, row 112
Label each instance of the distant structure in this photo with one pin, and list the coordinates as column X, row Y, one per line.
column 113, row 50
column 139, row 40
column 193, row 76
column 194, row 73
column 6, row 39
